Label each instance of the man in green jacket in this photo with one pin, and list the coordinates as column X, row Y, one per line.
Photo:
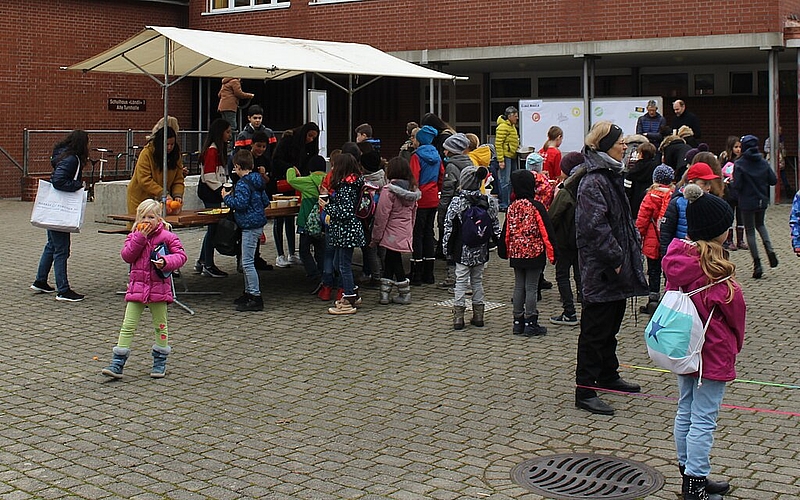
column 506, row 142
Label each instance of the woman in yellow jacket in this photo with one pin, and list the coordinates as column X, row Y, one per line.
column 506, row 143
column 148, row 175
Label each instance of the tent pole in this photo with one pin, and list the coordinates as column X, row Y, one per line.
column 430, row 95
column 306, row 114
column 349, row 107
column 166, row 117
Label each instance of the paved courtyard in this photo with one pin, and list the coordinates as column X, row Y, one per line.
column 390, row 403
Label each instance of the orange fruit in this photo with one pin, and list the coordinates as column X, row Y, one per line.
column 173, row 204
column 142, row 226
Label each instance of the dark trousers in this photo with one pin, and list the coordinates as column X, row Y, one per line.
column 654, row 276
column 393, row 266
column 597, row 346
column 424, row 243
column 567, row 259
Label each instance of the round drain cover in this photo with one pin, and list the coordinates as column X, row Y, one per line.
column 585, row 475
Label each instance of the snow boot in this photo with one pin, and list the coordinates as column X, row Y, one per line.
column 114, row 370
column 403, row 292
column 160, row 361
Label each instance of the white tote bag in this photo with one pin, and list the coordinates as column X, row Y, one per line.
column 59, row 210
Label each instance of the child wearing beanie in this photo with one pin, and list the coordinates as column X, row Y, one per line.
column 648, row 222
column 691, row 264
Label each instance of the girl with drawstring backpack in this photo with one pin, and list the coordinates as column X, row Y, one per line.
column 690, row 264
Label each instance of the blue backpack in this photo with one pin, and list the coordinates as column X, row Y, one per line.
column 476, row 226
column 675, row 333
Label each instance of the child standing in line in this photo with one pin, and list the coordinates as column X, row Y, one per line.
column 153, row 251
column 309, row 190
column 248, row 201
column 690, row 264
column 648, row 222
column 469, row 261
column 551, row 153
column 345, row 230
column 527, row 244
column 393, row 229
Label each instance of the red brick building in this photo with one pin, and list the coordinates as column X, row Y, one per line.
column 715, row 56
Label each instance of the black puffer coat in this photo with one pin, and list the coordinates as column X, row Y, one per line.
column 752, row 177
column 606, row 235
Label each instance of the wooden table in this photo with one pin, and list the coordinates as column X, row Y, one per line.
column 193, row 218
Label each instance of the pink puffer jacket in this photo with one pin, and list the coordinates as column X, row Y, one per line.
column 145, row 284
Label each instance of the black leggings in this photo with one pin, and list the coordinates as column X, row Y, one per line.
column 393, row 266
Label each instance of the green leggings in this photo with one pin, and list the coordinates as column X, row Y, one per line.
column 133, row 312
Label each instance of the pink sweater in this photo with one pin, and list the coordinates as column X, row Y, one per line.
column 145, row 284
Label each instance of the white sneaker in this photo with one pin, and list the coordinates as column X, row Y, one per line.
column 282, row 261
column 295, row 259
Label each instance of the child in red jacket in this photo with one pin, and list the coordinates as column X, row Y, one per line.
column 648, row 222
column 526, row 243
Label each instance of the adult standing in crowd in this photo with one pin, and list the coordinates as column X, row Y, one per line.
column 752, row 177
column 229, row 95
column 610, row 264
column 68, row 158
column 506, row 143
column 683, row 117
column 147, row 181
column 651, row 123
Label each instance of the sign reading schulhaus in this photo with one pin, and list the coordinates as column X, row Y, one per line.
column 119, row 104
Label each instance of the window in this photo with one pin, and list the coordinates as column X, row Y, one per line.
column 742, row 83
column 704, row 84
column 613, row 85
column 217, row 5
column 563, row 86
column 675, row 85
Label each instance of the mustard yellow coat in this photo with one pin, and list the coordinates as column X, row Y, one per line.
column 147, row 181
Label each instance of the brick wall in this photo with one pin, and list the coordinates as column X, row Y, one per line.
column 36, row 38
column 393, row 25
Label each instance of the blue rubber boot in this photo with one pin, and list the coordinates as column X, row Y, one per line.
column 114, row 370
column 160, row 361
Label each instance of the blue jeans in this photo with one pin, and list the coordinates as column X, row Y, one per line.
column 345, row 256
column 55, row 255
column 504, row 184
column 695, row 423
column 329, row 264
column 207, row 249
column 250, row 239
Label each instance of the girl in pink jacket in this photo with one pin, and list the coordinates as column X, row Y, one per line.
column 393, row 229
column 689, row 265
column 153, row 252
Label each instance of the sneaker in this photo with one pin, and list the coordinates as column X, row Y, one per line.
column 70, row 296
column 282, row 262
column 198, row 267
column 176, row 273
column 242, row 299
column 295, row 259
column 565, row 319
column 42, row 287
column 213, row 272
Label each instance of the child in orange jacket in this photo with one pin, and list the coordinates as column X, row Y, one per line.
column 648, row 222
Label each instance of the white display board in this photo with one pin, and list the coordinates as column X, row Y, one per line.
column 318, row 113
column 623, row 111
column 536, row 116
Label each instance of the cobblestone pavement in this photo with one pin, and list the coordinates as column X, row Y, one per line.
column 388, row 403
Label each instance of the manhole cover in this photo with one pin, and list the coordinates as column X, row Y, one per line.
column 584, row 475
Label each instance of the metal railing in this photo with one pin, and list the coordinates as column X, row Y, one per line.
column 117, row 148
column 10, row 158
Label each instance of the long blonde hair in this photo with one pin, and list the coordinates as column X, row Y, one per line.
column 715, row 264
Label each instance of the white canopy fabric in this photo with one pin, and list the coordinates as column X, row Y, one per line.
column 217, row 54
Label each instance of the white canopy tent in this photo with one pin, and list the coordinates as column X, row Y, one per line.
column 176, row 52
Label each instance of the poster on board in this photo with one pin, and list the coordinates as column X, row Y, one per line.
column 536, row 116
column 623, row 111
column 318, row 113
